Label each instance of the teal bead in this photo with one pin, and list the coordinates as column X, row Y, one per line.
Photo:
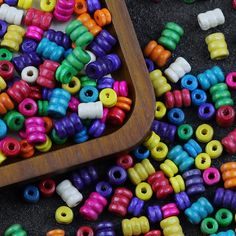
column 3, row 129
column 224, row 217
column 185, row 132
column 14, row 120
column 15, row 230
column 88, row 94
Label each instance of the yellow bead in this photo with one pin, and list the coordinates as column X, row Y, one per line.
column 73, row 87
column 171, row 226
column 204, row 133
column 217, row 46
column 135, row 226
column 143, row 191
column 2, row 157
column 159, row 83
column 169, row 168
column 47, row 5
column 25, row 4
column 160, row 110
column 202, row 161
column 160, row 152
column 108, row 97
column 177, row 183
column 141, row 171
column 64, row 215
column 44, row 147
column 3, row 84
column 214, row 149
column 151, row 141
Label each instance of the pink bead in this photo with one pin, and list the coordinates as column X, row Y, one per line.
column 105, row 113
column 170, row 210
column 121, row 88
column 73, row 104
column 34, row 32
column 231, row 80
column 211, row 176
column 22, row 134
column 68, row 4
column 28, row 107
column 64, row 10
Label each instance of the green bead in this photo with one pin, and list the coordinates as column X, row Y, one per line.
column 5, row 55
column 65, row 73
column 15, row 230
column 73, row 61
column 81, row 55
column 209, row 226
column 43, row 108
column 14, row 120
column 224, row 102
column 86, row 81
column 78, row 32
column 218, row 87
column 185, row 132
column 224, row 217
column 72, row 26
column 84, row 39
column 56, row 139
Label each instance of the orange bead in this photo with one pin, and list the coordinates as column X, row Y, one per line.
column 48, row 124
column 124, row 103
column 102, row 17
column 56, row 232
column 228, row 171
column 80, row 7
column 26, row 149
column 6, row 103
column 157, row 53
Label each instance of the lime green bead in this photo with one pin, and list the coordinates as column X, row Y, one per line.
column 86, row 81
column 43, row 108
column 209, row 226
column 56, row 139
column 224, row 217
column 14, row 120
column 15, row 230
column 65, row 73
column 185, row 132
column 5, row 55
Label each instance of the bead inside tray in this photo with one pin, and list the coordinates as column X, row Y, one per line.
column 115, row 140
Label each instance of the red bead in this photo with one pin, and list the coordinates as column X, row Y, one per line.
column 10, row 147
column 234, row 4
column 120, row 201
column 153, row 233
column 47, row 74
column 229, row 142
column 35, row 93
column 126, row 161
column 47, row 187
column 178, row 98
column 6, row 70
column 116, row 116
column 85, row 230
column 160, row 185
column 225, row 116
column 26, row 149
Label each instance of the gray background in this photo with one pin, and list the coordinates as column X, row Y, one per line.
column 149, row 19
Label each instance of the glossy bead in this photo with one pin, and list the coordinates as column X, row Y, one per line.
column 206, row 111
column 15, row 229
column 2, row 157
column 34, row 32
column 56, row 232
column 229, row 142
column 177, row 69
column 160, row 110
column 211, row 176
column 26, row 149
column 153, row 233
column 102, row 17
column 151, row 141
column 117, row 175
column 225, row 116
column 64, row 10
column 159, row 153
column 202, row 161
column 88, row 94
column 189, row 82
column 29, row 74
column 125, row 161
column 3, row 26
column 104, row 228
column 209, row 226
column 214, row 149
column 73, row 87
column 69, row 193
column 225, row 198
column 28, row 45
column 11, row 14
column 230, row 80
column 169, row 210
column 31, row 194
column 47, row 187
column 225, row 233
column 224, row 217
column 169, row 168
column 25, row 4
column 229, row 174
column 3, row 84
column 93, row 206
column 10, row 147
column 85, row 230
column 105, row 82
column 199, row 97
column 5, row 54
column 116, row 116
column 136, row 206
column 204, row 133
column 56, row 139
column 154, row 213
column 185, row 132
column 96, row 129
column 80, row 7
column 108, row 97
column 44, row 147
column 3, row 129
column 143, row 191
column 135, row 226
column 47, row 6
column 6, row 70
column 92, row 110
column 157, row 53
column 120, row 201
column 14, row 120
column 177, row 183
column 182, row 200
column 171, row 226
column 64, row 215
column 42, row 108
column 121, row 88
column 104, row 188
column 141, row 152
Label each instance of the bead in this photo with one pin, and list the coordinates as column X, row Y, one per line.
column 43, row 108
column 211, row 19
column 102, row 17
column 64, row 215
column 157, row 53
column 202, row 161
column 47, row 5
column 3, row 27
column 160, row 185
column 88, row 94
column 6, row 70
column 80, row 7
column 225, row 233
column 154, row 214
column 211, row 77
column 143, row 191
column 3, row 84
column 151, row 141
column 104, row 228
column 153, row 233
column 121, row 88
column 116, row 116
column 160, row 110
column 86, row 81
column 2, row 157
column 189, row 82
column 15, row 229
column 34, row 32
column 91, row 110
column 136, row 206
column 10, row 147
column 229, row 174
column 69, row 193
column 125, row 161
column 93, row 5
column 229, row 142
column 224, row 217
column 171, row 226
column 204, row 133
column 230, row 80
column 3, row 129
column 25, row 4
column 214, row 149
column 135, row 226
column 85, row 230
column 14, row 120
column 56, row 139
column 93, row 206
column 211, row 176
column 169, row 210
column 209, row 226
column 206, row 111
column 31, row 194
column 11, row 14
column 120, row 201
column 11, row 2
column 177, row 183
column 159, row 153
column 26, row 149
column 169, row 168
column 44, row 147
column 141, row 152
column 199, row 97
column 96, row 129
column 104, row 188
column 171, row 35
column 225, row 116
column 56, row 232
column 5, row 54
column 159, row 83
column 28, row 45
column 64, row 10
column 182, row 200
column 29, row 74
column 73, row 87
column 185, row 132
column 225, row 198
column 105, row 82
column 117, row 175
column 108, row 97
column 47, row 187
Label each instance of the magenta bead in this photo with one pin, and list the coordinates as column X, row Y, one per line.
column 73, row 104
column 105, row 113
column 121, row 88
column 169, row 210
column 28, row 107
column 231, row 80
column 64, row 10
column 211, row 176
column 34, row 32
column 22, row 134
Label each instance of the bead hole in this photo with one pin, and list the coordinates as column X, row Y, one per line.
column 63, row 214
column 209, row 225
column 79, row 5
column 176, row 115
column 203, row 160
column 143, row 190
column 204, row 131
column 11, row 146
column 234, row 79
column 185, row 131
column 5, row 67
column 159, row 149
column 107, row 95
column 214, row 148
column 141, row 150
column 124, row 161
column 30, row 73
column 206, row 110
column 47, row 185
column 72, row 84
column 104, row 188
column 158, row 108
column 17, row 122
column 211, row 176
column 189, row 82
column 223, row 216
column 31, row 193
column 4, row 55
column 89, row 93
column 28, row 106
column 226, row 112
column 85, row 234
column 117, row 174
column 198, row 96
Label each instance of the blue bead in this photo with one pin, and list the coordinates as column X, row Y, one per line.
column 154, row 213
column 88, row 94
column 136, row 206
column 3, row 129
column 182, row 200
column 104, row 188
column 117, row 175
column 81, row 136
column 226, row 233
column 150, row 65
column 93, row 5
column 141, row 152
column 28, row 45
column 105, row 228
column 198, row 97
column 3, row 28
column 206, row 111
column 189, row 82
column 176, row 116
column 31, row 194
column 192, row 148
column 11, row 2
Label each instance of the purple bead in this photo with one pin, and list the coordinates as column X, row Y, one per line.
column 108, row 37
column 182, row 200
column 93, row 5
column 96, row 49
column 136, row 206
column 105, row 229
column 3, row 28
column 154, row 214
column 225, row 198
column 117, row 175
column 96, row 129
column 28, row 45
column 105, row 82
column 46, row 93
column 150, row 64
column 206, row 111
column 104, row 188
column 11, row 2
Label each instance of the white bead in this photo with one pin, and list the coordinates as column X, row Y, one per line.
column 69, row 194
column 11, row 15
column 29, row 74
column 211, row 19
column 90, row 110
column 92, row 59
column 177, row 69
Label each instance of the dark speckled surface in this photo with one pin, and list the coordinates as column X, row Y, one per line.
column 149, row 20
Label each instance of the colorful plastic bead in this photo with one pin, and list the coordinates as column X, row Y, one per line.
column 26, row 149
column 202, row 161
column 64, row 215
column 225, row 198
column 102, row 17
column 153, row 233
column 85, row 230
column 177, row 183
column 169, row 168
column 225, row 233
column 31, row 194
column 192, row 148
column 5, row 54
column 211, row 176
column 47, row 5
column 199, row 97
column 209, row 226
column 154, row 214
column 229, row 174
column 214, row 149
column 206, row 111
column 56, row 232
column 14, row 120
column 169, row 210
column 117, row 175
column 92, row 110
column 224, row 217
column 104, row 228
column 3, row 84
column 80, row 7
column 143, row 191
column 229, row 142
column 159, row 153
column 125, row 161
column 136, row 206
column 11, row 15
column 64, row 10
column 104, row 188
column 171, row 226
column 176, row 116
column 189, row 82
column 34, row 32
column 230, row 80
column 182, row 200
column 44, row 147
column 47, row 187
column 10, row 147
column 15, row 229
column 204, row 133
column 225, row 116
column 151, row 141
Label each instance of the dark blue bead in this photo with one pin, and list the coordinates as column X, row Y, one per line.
column 93, row 5
column 11, row 2
column 104, row 188
column 150, row 64
column 141, row 152
column 189, row 82
column 206, row 111
column 105, row 229
column 28, row 45
column 105, row 82
column 3, row 28
column 182, row 200
column 46, row 93
column 81, row 136
column 225, row 198
column 176, row 116
column 96, row 129
column 117, row 175
column 31, row 194
column 136, row 206
column 198, row 97
column 154, row 214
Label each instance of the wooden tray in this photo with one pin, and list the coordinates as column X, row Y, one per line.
column 116, row 140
